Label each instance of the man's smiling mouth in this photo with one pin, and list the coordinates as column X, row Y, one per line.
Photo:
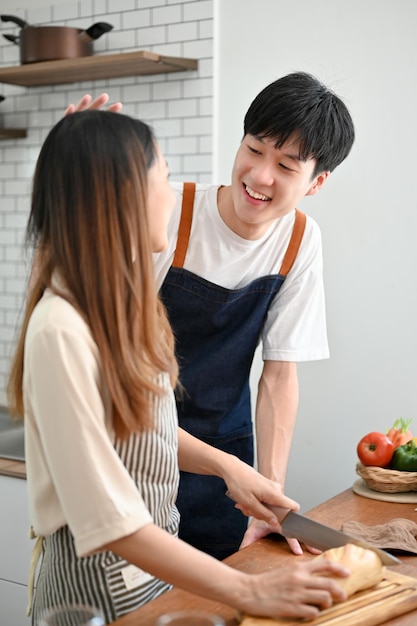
column 255, row 195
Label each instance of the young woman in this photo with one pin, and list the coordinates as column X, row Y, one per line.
column 93, row 376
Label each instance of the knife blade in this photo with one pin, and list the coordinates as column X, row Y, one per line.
column 320, row 536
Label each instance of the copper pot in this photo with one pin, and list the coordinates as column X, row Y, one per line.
column 50, row 43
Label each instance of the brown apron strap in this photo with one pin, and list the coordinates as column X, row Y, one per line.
column 295, row 241
column 185, row 224
column 185, row 229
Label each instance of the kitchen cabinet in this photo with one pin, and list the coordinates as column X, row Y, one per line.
column 96, row 67
column 15, row 550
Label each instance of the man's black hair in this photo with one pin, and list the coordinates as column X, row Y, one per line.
column 299, row 108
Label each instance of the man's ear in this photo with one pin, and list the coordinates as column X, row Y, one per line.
column 318, row 183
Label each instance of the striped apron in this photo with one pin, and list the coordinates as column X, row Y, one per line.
column 104, row 580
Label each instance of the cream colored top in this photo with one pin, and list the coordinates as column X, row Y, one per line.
column 75, row 475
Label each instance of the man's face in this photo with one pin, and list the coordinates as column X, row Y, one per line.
column 267, row 183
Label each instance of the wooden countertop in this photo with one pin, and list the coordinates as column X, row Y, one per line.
column 273, row 551
column 15, row 469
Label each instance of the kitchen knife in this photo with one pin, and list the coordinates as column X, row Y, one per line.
column 319, row 536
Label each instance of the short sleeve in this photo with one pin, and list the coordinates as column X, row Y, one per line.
column 74, row 473
column 295, row 329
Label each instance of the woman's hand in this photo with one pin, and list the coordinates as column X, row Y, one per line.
column 248, row 488
column 87, row 103
column 300, row 590
column 251, row 492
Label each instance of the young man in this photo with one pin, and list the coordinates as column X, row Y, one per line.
column 245, row 266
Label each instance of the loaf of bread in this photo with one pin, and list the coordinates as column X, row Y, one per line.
column 365, row 566
column 366, row 570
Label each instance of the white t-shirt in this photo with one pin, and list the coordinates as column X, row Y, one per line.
column 295, row 328
column 74, row 473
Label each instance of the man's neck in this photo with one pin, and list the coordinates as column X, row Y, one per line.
column 251, row 232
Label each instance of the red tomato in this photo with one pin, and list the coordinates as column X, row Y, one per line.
column 375, row 449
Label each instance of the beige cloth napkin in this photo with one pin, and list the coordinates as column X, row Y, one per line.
column 398, row 534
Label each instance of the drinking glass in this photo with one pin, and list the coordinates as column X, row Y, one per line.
column 72, row 615
column 189, row 618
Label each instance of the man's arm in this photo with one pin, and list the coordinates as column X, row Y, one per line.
column 276, row 412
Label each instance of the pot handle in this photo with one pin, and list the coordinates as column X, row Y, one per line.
column 96, row 30
column 14, row 19
column 12, row 38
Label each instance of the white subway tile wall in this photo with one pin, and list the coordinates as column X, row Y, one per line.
column 179, row 107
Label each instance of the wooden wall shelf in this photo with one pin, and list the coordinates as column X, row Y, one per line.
column 12, row 133
column 96, row 67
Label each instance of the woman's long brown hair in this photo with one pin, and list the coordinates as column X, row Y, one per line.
column 89, row 225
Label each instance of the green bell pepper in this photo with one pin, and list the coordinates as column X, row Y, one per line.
column 405, row 458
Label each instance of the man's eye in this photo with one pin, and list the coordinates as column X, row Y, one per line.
column 285, row 167
column 253, row 150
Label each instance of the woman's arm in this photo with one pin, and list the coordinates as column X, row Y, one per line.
column 295, row 591
column 245, row 485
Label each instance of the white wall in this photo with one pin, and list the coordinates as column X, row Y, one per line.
column 366, row 51
column 14, row 7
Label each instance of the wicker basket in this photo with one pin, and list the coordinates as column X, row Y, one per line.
column 386, row 480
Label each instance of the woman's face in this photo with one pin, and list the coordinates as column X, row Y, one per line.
column 161, row 202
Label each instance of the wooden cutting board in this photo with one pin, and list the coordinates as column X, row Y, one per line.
column 395, row 595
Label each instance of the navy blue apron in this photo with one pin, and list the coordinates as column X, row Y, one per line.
column 217, row 331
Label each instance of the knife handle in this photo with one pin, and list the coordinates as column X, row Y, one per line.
column 279, row 512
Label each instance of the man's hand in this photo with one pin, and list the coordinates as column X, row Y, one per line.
column 259, row 528
column 87, row 103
